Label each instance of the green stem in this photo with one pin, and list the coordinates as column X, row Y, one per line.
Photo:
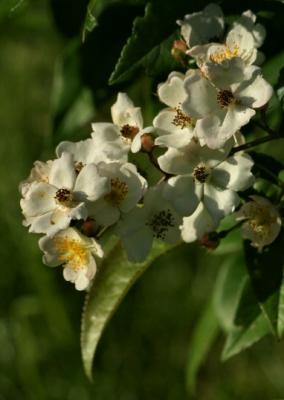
column 256, row 142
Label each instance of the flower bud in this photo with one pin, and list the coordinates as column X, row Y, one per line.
column 89, row 228
column 210, row 240
column 147, row 142
column 178, row 50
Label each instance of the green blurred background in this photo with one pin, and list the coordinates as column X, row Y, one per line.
column 146, row 347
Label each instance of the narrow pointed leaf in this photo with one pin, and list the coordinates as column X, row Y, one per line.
column 250, row 325
column 149, row 47
column 266, row 273
column 113, row 280
column 205, row 333
column 97, row 7
column 228, row 289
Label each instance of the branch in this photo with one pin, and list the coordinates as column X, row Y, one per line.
column 255, row 142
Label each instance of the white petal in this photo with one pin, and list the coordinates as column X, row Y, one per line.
column 183, row 194
column 80, row 211
column 69, row 274
column 199, row 27
column 170, row 134
column 201, row 97
column 236, row 117
column 62, row 172
column 197, row 225
column 107, row 144
column 219, row 202
column 51, row 222
column 172, row 92
column 136, row 237
column 51, row 256
column 226, row 73
column 208, row 130
column 234, row 173
column 176, row 162
column 39, row 200
column 247, row 20
column 216, row 129
column 123, row 112
column 104, row 213
column 254, row 91
column 81, row 151
column 90, row 183
column 136, row 142
column 240, row 38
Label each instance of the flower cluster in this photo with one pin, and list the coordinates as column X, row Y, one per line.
column 91, row 187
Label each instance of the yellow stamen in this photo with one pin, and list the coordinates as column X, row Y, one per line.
column 119, row 190
column 226, row 54
column 71, row 252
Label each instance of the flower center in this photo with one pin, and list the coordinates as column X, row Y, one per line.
column 119, row 190
column 78, row 167
column 201, row 173
column 181, row 119
column 71, row 252
column 225, row 98
column 160, row 223
column 219, row 56
column 260, row 219
column 129, row 131
column 64, row 196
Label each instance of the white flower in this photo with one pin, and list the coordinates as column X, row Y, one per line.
column 227, row 103
column 174, row 127
column 206, row 184
column 77, row 254
column 247, row 21
column 39, row 173
column 156, row 219
column 129, row 120
column 242, row 41
column 262, row 221
column 104, row 145
column 200, row 27
column 50, row 206
column 125, row 188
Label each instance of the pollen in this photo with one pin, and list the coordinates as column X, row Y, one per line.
column 201, row 173
column 260, row 219
column 119, row 191
column 225, row 98
column 160, row 223
column 181, row 119
column 63, row 196
column 71, row 252
column 129, row 132
column 227, row 54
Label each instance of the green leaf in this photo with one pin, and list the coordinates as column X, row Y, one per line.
column 149, row 47
column 266, row 273
column 80, row 113
column 113, row 280
column 97, row 7
column 266, row 167
column 229, row 285
column 67, row 81
column 71, row 103
column 241, row 338
column 204, row 334
column 10, row 7
column 272, row 67
column 250, row 325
